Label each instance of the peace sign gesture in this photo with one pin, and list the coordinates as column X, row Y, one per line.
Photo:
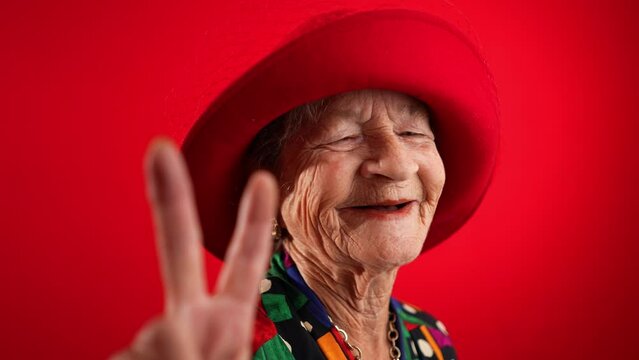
column 196, row 324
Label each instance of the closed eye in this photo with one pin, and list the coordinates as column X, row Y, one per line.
column 346, row 139
column 411, row 134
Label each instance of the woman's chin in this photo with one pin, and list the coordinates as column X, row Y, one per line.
column 392, row 250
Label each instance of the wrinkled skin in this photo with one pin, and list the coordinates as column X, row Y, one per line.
column 378, row 154
column 371, row 147
column 383, row 151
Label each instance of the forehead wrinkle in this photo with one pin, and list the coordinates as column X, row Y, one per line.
column 413, row 108
column 345, row 108
column 346, row 113
column 400, row 108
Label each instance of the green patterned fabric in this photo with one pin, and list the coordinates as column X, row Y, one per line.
column 294, row 323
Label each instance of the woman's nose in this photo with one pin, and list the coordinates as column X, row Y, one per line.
column 389, row 158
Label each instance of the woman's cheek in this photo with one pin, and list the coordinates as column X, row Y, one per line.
column 304, row 204
column 339, row 173
column 433, row 177
column 301, row 208
column 321, row 188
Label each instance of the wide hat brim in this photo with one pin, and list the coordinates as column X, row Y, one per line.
column 404, row 50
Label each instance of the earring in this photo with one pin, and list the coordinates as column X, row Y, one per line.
column 276, row 233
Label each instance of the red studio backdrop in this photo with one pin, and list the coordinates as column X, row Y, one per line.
column 546, row 269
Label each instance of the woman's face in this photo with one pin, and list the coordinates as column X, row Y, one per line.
column 362, row 184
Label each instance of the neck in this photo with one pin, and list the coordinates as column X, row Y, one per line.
column 356, row 297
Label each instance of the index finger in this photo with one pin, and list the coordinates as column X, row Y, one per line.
column 177, row 228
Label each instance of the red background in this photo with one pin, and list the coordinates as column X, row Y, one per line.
column 545, row 269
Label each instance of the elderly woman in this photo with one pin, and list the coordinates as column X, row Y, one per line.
column 358, row 138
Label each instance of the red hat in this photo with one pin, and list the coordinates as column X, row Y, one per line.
column 432, row 56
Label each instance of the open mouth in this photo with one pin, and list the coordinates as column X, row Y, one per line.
column 394, row 207
column 389, row 210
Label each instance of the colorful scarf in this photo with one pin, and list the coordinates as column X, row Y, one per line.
column 292, row 323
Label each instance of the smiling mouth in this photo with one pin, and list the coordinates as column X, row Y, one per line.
column 386, row 211
column 389, row 208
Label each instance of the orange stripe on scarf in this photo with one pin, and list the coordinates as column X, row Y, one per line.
column 330, row 347
column 432, row 342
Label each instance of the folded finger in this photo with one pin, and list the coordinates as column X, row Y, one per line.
column 163, row 338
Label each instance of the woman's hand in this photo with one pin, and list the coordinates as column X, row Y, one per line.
column 196, row 324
